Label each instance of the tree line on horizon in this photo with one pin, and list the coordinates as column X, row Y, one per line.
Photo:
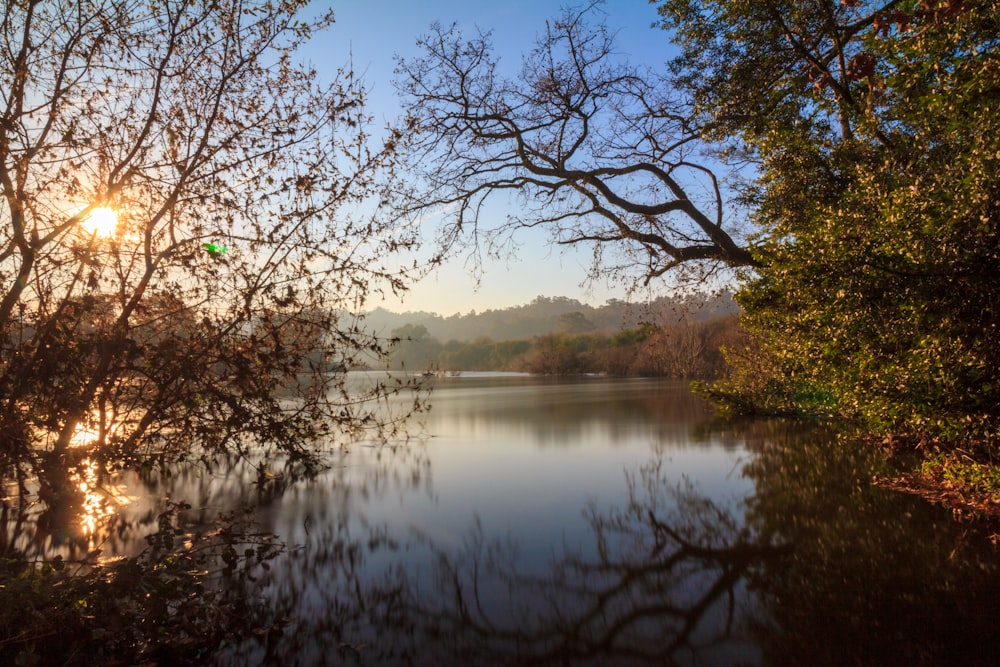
column 686, row 349
column 545, row 315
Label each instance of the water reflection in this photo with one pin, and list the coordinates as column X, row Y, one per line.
column 565, row 412
column 100, row 502
column 812, row 565
column 75, row 511
column 661, row 581
column 875, row 577
column 595, row 523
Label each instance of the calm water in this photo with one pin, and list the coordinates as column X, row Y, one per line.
column 476, row 543
column 606, row 522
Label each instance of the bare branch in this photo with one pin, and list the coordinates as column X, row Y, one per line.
column 597, row 150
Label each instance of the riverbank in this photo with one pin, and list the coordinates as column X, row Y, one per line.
column 969, row 488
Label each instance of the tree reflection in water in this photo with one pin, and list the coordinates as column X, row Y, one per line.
column 661, row 583
column 875, row 577
column 817, row 567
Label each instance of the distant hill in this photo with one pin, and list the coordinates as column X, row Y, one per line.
column 554, row 314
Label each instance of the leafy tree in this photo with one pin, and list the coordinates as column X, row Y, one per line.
column 413, row 348
column 180, row 328
column 504, row 352
column 876, row 132
column 575, row 322
column 552, row 354
column 472, row 356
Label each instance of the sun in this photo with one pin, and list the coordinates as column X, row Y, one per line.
column 102, row 221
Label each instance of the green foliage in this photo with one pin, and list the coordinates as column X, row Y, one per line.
column 632, row 336
column 877, row 201
column 503, row 354
column 575, row 322
column 975, row 481
column 553, row 354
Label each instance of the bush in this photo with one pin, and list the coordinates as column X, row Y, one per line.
column 179, row 601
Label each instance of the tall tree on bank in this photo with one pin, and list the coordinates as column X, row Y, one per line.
column 595, row 151
column 175, row 235
column 877, row 133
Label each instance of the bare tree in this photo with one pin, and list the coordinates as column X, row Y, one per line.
column 596, row 151
column 176, row 234
column 679, row 350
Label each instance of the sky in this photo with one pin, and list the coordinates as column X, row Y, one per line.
column 371, row 32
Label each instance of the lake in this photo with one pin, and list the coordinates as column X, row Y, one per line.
column 596, row 521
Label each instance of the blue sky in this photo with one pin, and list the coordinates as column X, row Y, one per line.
column 373, row 31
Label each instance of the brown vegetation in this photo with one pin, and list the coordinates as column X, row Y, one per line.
column 682, row 350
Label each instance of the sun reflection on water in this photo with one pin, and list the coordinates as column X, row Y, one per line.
column 83, row 436
column 99, row 502
column 102, row 497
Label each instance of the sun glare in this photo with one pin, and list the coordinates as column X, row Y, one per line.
column 101, row 221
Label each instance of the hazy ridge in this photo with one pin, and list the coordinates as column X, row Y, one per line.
column 555, row 314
